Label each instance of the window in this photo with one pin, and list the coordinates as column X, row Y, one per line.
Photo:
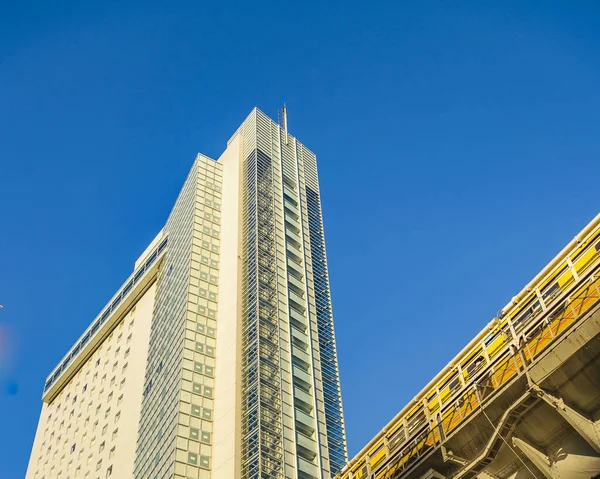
column 109, row 471
column 196, row 410
column 208, row 392
column 111, row 452
column 206, row 413
column 197, row 388
column 194, row 433
column 104, row 429
column 102, row 444
column 205, row 436
column 205, row 461
column 118, row 416
column 192, row 458
column 98, row 465
column 122, row 384
column 199, row 348
column 120, row 399
column 114, row 434
column 197, row 367
column 73, row 448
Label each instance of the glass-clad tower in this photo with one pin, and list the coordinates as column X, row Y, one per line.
column 235, row 373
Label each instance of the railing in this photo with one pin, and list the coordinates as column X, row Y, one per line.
column 486, row 369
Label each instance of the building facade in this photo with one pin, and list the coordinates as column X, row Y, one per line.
column 217, row 357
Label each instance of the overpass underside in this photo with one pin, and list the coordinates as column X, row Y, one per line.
column 544, row 423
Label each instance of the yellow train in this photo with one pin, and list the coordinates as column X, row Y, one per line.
column 560, row 294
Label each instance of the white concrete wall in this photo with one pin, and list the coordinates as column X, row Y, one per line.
column 92, row 424
column 226, row 463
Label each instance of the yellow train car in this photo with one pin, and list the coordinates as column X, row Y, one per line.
column 487, row 363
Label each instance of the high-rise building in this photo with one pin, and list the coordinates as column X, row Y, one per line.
column 216, row 358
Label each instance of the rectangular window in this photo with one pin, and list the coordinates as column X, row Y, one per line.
column 194, row 433
column 192, row 458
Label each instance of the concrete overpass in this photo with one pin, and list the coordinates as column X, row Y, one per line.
column 521, row 401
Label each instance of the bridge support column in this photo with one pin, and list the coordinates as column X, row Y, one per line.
column 586, row 428
column 539, row 459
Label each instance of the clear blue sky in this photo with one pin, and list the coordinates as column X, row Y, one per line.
column 458, row 147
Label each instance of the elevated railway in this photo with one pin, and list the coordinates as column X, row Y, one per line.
column 521, row 400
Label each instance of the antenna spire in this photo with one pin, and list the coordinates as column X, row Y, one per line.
column 283, row 121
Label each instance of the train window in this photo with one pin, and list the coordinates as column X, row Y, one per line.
column 550, row 291
column 454, row 386
column 527, row 315
column 415, row 421
column 475, row 365
column 397, row 438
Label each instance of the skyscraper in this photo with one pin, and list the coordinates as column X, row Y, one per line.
column 216, row 358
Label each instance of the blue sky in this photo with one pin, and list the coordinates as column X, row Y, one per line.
column 457, row 143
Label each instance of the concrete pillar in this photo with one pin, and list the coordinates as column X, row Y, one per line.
column 538, row 458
